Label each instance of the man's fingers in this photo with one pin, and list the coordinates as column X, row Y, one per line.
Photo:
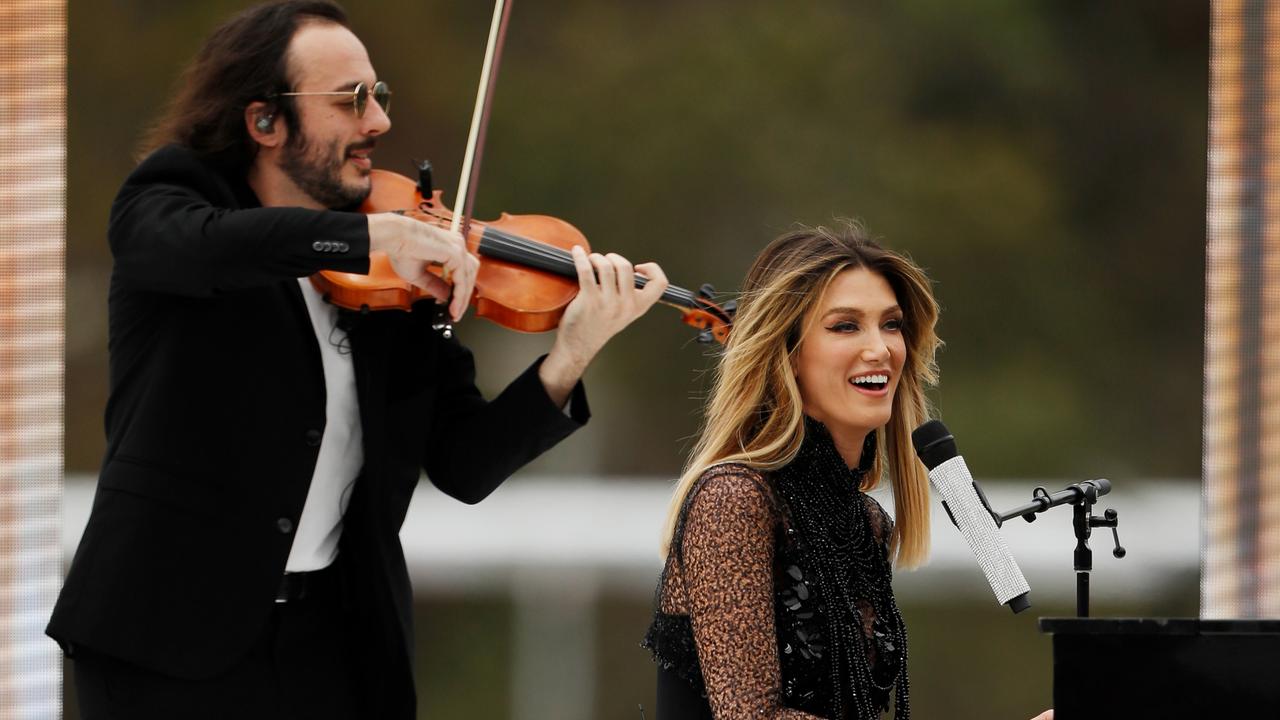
column 581, row 263
column 458, row 266
column 417, row 246
column 625, row 274
column 464, row 285
column 435, row 287
column 432, row 285
column 608, row 276
column 657, row 282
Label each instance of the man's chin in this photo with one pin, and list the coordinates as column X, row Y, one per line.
column 357, row 199
column 357, row 190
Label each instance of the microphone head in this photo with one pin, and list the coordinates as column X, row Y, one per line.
column 934, row 443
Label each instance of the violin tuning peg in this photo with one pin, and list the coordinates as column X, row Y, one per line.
column 730, row 307
column 705, row 337
column 706, row 292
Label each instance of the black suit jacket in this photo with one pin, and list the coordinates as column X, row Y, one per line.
column 214, row 421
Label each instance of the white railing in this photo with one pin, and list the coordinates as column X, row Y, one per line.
column 606, row 531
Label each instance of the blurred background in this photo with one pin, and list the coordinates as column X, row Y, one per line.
column 1044, row 160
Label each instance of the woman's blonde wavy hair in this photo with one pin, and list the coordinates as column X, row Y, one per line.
column 755, row 416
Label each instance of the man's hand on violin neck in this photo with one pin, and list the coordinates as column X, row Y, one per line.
column 608, row 301
column 412, row 245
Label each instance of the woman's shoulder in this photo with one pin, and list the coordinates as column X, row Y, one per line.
column 730, row 505
column 732, row 470
column 732, row 479
column 732, row 490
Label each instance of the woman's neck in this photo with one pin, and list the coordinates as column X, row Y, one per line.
column 849, row 443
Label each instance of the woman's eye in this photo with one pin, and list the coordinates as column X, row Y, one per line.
column 844, row 327
column 895, row 324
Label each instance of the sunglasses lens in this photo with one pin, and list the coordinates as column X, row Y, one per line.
column 361, row 99
column 382, row 96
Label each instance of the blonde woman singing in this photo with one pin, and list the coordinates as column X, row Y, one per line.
column 776, row 598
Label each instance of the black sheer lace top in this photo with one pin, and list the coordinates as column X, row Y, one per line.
column 776, row 598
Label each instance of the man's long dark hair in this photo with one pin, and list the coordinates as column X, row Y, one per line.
column 243, row 61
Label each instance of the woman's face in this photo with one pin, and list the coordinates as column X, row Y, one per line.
column 851, row 355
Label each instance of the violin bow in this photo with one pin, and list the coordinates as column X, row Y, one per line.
column 470, row 175
column 712, row 320
column 480, row 118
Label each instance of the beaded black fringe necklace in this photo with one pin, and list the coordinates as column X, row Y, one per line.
column 828, row 511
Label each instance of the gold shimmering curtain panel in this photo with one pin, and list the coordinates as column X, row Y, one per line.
column 1240, row 541
column 32, row 222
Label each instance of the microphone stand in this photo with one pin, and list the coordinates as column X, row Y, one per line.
column 1082, row 496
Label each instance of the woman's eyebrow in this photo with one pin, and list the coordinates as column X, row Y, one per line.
column 859, row 312
column 856, row 312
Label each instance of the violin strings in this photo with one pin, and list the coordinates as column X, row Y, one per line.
column 526, row 249
column 531, row 250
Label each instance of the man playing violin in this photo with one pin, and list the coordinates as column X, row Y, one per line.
column 242, row 556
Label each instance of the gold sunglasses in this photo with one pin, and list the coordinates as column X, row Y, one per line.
column 359, row 96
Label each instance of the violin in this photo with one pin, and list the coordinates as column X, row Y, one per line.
column 526, row 277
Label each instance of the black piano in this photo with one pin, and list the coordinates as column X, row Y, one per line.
column 1107, row 668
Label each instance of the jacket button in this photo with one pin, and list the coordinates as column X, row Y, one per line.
column 285, row 525
column 317, row 246
column 313, row 437
column 343, row 247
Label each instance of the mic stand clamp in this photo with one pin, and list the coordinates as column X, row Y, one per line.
column 1082, row 497
column 1083, row 521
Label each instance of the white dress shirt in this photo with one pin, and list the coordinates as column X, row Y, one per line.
column 315, row 545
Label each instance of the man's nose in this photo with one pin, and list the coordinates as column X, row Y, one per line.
column 376, row 120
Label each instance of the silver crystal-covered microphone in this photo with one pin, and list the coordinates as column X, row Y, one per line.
column 950, row 477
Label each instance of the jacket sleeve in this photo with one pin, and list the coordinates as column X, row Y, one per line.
column 476, row 444
column 177, row 227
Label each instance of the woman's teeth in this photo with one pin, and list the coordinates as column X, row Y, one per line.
column 871, row 382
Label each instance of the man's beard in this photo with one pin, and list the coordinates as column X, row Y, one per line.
column 319, row 174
